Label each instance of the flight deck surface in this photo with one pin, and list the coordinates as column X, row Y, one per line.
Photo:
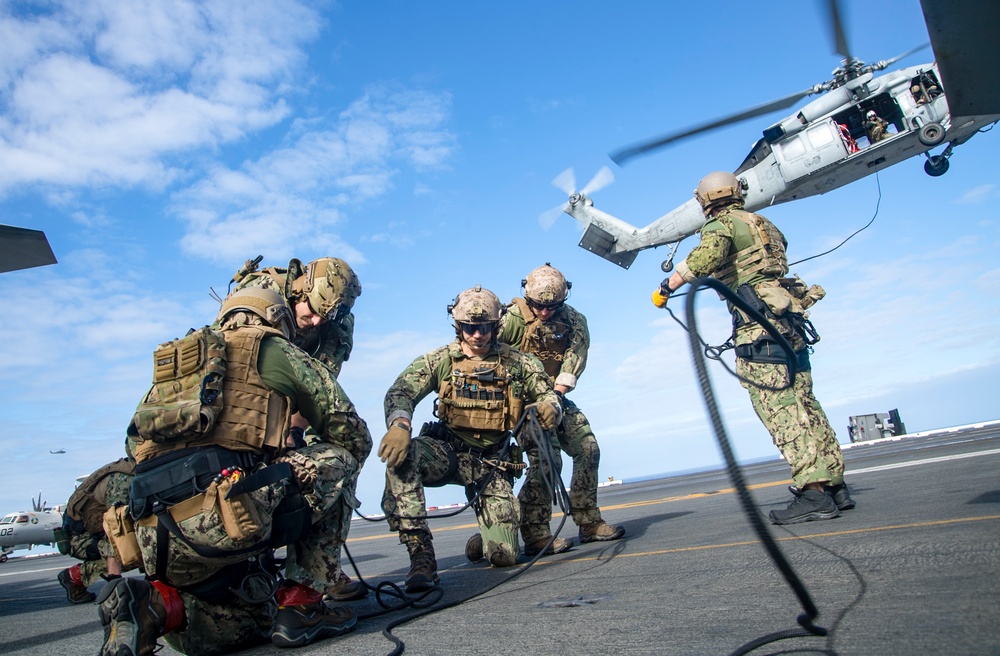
column 915, row 568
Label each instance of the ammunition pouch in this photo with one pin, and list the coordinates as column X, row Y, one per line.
column 121, row 532
column 180, row 475
column 781, row 309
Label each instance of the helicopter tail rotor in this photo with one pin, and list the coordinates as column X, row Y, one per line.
column 566, row 183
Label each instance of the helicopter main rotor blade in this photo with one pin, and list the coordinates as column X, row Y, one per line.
column 601, row 179
column 885, row 64
column 839, row 35
column 565, row 182
column 625, row 154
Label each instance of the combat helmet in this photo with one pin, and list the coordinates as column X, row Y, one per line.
column 546, row 286
column 476, row 306
column 265, row 304
column 330, row 287
column 717, row 188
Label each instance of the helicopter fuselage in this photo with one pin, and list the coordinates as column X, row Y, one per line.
column 823, row 146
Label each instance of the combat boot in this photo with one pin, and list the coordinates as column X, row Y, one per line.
column 600, row 531
column 76, row 591
column 303, row 617
column 474, row 548
column 841, row 496
column 558, row 546
column 347, row 590
column 134, row 616
column 809, row 506
column 423, row 565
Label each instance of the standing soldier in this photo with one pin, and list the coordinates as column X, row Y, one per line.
column 747, row 252
column 216, row 490
column 543, row 324
column 83, row 529
column 483, row 387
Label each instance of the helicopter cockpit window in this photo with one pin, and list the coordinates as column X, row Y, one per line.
column 9, row 519
column 22, row 519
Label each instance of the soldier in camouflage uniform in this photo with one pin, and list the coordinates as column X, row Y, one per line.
column 329, row 339
column 543, row 324
column 210, row 589
column 83, row 535
column 324, row 331
column 743, row 249
column 483, row 387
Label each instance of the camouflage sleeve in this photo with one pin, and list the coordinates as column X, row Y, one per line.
column 422, row 377
column 537, row 384
column 575, row 356
column 512, row 326
column 709, row 255
column 315, row 394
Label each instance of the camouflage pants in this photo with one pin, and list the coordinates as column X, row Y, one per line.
column 93, row 550
column 327, row 476
column 429, row 459
column 535, row 495
column 221, row 628
column 95, row 557
column 796, row 422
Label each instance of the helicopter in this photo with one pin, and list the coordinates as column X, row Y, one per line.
column 826, row 144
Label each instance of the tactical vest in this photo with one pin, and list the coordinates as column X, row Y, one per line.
column 88, row 504
column 253, row 418
column 482, row 396
column 546, row 340
column 766, row 256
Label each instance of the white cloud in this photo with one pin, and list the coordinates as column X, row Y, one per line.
column 978, row 194
column 159, row 80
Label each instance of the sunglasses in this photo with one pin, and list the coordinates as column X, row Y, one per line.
column 472, row 328
column 542, row 306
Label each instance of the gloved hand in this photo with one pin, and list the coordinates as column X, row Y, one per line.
column 395, row 444
column 548, row 415
column 661, row 295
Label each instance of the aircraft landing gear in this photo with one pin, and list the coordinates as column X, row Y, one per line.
column 936, row 165
column 931, row 134
column 667, row 265
column 3, row 558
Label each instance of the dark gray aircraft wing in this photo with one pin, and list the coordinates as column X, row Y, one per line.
column 21, row 248
column 964, row 37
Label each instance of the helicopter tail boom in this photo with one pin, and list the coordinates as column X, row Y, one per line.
column 619, row 242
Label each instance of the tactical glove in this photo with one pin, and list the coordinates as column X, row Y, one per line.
column 395, row 444
column 661, row 295
column 548, row 415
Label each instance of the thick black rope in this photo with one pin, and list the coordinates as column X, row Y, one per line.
column 736, row 475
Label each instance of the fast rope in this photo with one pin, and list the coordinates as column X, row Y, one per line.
column 810, row 612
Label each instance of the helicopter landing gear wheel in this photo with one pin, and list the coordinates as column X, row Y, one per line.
column 3, row 558
column 667, row 265
column 936, row 165
column 931, row 134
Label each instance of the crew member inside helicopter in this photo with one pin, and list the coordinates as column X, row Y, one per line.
column 876, row 127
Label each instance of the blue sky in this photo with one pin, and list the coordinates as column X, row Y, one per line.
column 161, row 144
